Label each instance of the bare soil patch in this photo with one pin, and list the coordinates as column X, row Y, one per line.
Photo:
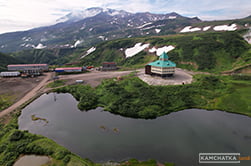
column 18, row 87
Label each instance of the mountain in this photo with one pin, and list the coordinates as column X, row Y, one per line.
column 94, row 25
column 211, row 52
column 90, row 12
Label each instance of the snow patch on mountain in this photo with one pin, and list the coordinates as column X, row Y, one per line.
column 206, row 28
column 231, row 27
column 172, row 17
column 40, row 46
column 160, row 50
column 157, row 30
column 102, row 37
column 77, row 43
column 91, row 50
column 152, row 50
column 77, row 15
column 247, row 36
column 151, row 27
column 190, row 29
column 142, row 26
column 27, row 39
column 130, row 52
column 114, row 13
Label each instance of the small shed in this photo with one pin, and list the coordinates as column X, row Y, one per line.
column 106, row 66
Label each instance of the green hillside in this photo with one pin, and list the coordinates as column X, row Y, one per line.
column 56, row 56
column 212, row 51
column 5, row 60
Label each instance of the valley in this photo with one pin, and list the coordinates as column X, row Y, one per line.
column 108, row 116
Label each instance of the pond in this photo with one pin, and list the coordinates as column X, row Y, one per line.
column 101, row 136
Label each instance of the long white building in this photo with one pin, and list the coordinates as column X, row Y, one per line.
column 25, row 67
column 10, row 74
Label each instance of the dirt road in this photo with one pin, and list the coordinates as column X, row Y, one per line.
column 27, row 97
column 93, row 78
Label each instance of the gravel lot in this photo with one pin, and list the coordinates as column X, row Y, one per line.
column 178, row 78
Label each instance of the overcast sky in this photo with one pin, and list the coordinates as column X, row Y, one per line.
column 25, row 14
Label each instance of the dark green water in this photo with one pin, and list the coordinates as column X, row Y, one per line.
column 101, row 136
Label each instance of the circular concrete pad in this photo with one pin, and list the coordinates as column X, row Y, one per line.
column 178, row 78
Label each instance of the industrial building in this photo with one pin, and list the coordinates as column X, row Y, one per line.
column 10, row 74
column 29, row 69
column 106, row 66
column 162, row 67
column 25, row 67
column 68, row 69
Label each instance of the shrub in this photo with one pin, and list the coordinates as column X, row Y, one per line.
column 16, row 135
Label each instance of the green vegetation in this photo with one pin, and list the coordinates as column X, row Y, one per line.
column 132, row 97
column 34, row 118
column 5, row 60
column 56, row 83
column 212, row 52
column 239, row 98
column 135, row 162
column 85, row 94
column 57, row 56
column 14, row 143
column 5, row 101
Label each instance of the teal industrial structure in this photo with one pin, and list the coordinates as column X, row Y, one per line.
column 162, row 67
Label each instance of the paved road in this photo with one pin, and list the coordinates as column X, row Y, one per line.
column 27, row 97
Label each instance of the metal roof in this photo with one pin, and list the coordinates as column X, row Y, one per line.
column 17, row 65
column 160, row 63
column 163, row 62
column 163, row 56
column 69, row 68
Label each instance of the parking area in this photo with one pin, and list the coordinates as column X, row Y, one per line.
column 180, row 77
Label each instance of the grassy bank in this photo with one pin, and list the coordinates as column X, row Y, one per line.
column 131, row 97
column 135, row 162
column 5, row 101
column 56, row 83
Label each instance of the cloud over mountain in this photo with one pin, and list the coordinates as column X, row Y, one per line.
column 30, row 13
